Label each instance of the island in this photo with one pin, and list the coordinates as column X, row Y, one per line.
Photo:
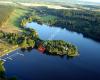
column 58, row 47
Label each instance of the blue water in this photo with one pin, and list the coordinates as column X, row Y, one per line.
column 34, row 65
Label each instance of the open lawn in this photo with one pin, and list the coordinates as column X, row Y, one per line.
column 9, row 16
column 5, row 12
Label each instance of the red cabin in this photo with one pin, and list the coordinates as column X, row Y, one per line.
column 41, row 48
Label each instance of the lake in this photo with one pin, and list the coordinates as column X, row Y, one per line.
column 33, row 65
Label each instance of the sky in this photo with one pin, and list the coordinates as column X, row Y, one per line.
column 65, row 1
column 78, row 0
column 75, row 0
column 91, row 0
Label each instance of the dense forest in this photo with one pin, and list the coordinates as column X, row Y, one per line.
column 59, row 47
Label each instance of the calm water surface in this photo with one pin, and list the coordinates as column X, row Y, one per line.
column 33, row 65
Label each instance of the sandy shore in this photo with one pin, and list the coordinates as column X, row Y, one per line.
column 9, row 51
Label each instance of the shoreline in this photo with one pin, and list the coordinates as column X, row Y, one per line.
column 1, row 66
column 8, row 52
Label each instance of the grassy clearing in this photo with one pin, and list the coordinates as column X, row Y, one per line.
column 9, row 16
column 5, row 12
column 12, row 23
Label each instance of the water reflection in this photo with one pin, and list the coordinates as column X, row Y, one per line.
column 29, row 49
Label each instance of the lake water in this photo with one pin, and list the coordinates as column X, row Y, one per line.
column 33, row 65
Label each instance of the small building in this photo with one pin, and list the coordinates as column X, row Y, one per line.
column 41, row 48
